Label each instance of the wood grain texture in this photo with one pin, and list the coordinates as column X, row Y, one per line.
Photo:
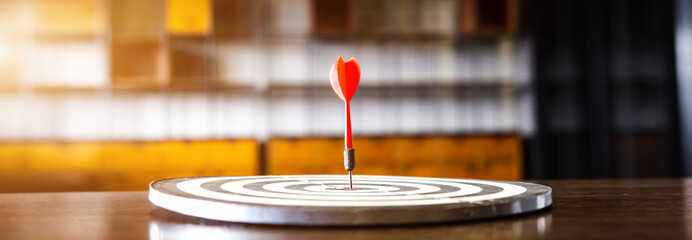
column 582, row 209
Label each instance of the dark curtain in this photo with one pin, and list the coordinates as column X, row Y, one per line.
column 605, row 89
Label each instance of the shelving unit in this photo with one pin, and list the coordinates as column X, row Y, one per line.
column 190, row 62
column 182, row 44
column 487, row 17
column 69, row 18
column 434, row 78
column 479, row 156
column 287, row 18
column 189, row 17
column 139, row 57
column 8, row 47
column 333, row 19
column 64, row 47
column 8, row 60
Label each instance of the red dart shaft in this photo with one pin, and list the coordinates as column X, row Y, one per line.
column 348, row 137
column 349, row 159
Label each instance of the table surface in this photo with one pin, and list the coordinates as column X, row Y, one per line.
column 582, row 209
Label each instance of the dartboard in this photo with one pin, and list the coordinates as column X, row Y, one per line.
column 328, row 200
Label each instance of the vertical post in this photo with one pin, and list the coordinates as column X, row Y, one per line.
column 683, row 59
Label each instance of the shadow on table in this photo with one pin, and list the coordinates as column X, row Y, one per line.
column 165, row 224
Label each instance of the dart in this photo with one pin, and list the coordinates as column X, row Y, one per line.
column 344, row 77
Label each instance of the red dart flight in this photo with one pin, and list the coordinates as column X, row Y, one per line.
column 345, row 77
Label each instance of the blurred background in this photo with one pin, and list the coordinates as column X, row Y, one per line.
column 113, row 94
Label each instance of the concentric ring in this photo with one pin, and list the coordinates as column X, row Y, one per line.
column 310, row 197
column 267, row 190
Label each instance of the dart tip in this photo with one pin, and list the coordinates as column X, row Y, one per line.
column 350, row 180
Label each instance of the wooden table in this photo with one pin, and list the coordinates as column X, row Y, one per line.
column 582, row 209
